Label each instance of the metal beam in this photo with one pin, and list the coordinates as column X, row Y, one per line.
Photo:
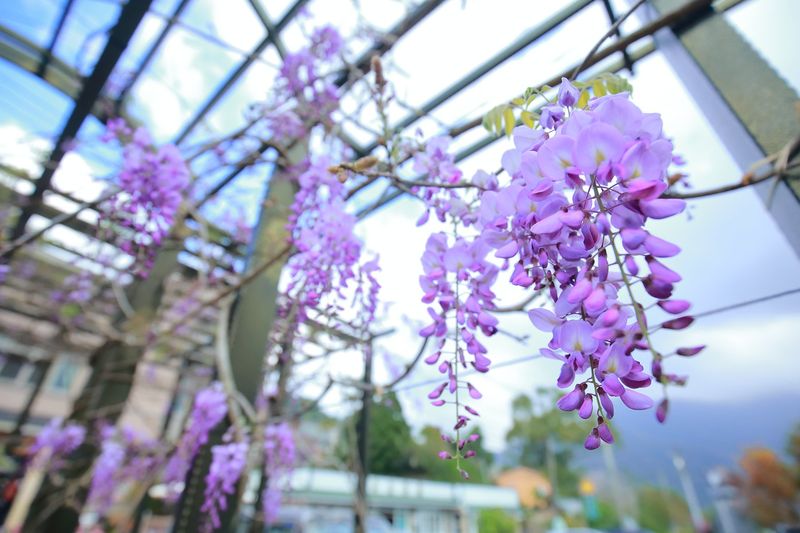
column 54, row 38
column 129, row 18
column 150, row 54
column 239, row 71
column 752, row 109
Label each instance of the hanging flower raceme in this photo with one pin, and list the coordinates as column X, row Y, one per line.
column 209, row 409
column 125, row 455
column 228, row 462
column 55, row 442
column 573, row 222
column 438, row 166
column 152, row 182
column 328, row 252
column 458, row 278
column 279, row 461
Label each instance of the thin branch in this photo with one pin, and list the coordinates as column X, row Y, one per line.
column 611, row 31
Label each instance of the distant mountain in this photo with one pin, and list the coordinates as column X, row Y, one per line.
column 707, row 435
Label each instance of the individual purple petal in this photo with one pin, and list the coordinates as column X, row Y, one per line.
column 438, row 403
column 568, row 94
column 471, row 411
column 565, row 376
column 507, row 251
column 571, row 401
column 661, row 410
column 662, row 272
column 592, row 442
column 544, row 319
column 636, row 400
column 435, row 393
column 612, row 385
column 674, row 307
column 682, row 322
column 632, row 238
column 549, row 224
column 579, row 292
column 433, row 358
column 690, row 351
column 662, row 207
column 604, row 432
column 659, row 247
column 526, row 138
column 645, row 189
column 473, row 392
column 587, row 407
column 608, row 405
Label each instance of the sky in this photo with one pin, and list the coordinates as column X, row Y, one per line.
column 732, row 249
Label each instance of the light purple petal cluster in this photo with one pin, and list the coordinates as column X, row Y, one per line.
column 301, row 80
column 279, row 461
column 572, row 222
column 152, row 183
column 209, row 409
column 124, row 455
column 437, row 165
column 55, row 442
column 457, row 282
column 228, row 462
column 328, row 252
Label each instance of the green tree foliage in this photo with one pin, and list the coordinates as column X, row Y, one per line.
column 391, row 447
column 663, row 510
column 539, row 429
column 496, row 521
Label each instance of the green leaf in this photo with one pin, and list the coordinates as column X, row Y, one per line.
column 510, row 121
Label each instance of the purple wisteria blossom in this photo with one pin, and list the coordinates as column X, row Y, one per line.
column 329, row 255
column 228, row 462
column 279, row 461
column 437, row 165
column 572, row 223
column 55, row 442
column 152, row 183
column 209, row 409
column 457, row 278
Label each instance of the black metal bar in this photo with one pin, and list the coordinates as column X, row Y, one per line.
column 362, row 448
column 514, row 48
column 239, row 71
column 362, row 64
column 54, row 39
column 150, row 54
column 612, row 19
column 129, row 18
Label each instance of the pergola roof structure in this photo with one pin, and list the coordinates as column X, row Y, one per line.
column 103, row 58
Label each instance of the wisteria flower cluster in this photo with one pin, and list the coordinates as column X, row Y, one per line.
column 328, row 252
column 228, row 462
column 458, row 278
column 279, row 461
column 438, row 166
column 55, row 442
column 152, row 182
column 302, row 82
column 209, row 409
column 584, row 184
column 125, row 455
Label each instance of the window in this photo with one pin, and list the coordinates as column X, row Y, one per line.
column 63, row 374
column 10, row 367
